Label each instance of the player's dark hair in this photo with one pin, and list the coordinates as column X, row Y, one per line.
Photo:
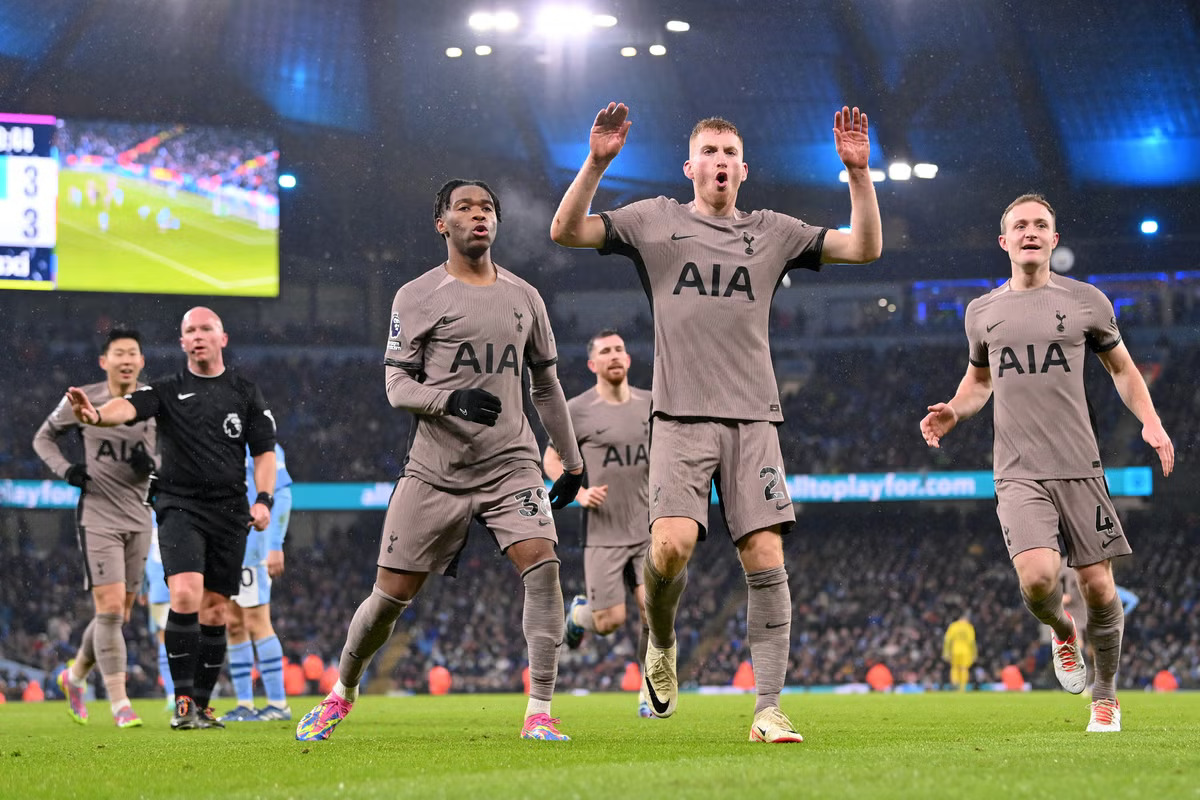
column 717, row 125
column 441, row 203
column 591, row 345
column 1028, row 197
column 120, row 333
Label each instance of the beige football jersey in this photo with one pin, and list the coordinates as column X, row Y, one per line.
column 1034, row 343
column 452, row 335
column 710, row 281
column 115, row 495
column 615, row 442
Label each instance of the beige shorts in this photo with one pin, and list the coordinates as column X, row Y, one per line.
column 114, row 557
column 743, row 457
column 425, row 529
column 610, row 571
column 1035, row 513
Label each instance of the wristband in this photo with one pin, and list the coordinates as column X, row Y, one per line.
column 266, row 499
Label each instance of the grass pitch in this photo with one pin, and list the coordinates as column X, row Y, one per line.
column 207, row 255
column 978, row 745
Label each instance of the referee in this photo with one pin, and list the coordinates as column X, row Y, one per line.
column 207, row 415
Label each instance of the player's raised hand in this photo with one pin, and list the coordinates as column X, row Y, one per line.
column 850, row 138
column 1155, row 436
column 82, row 407
column 940, row 420
column 609, row 131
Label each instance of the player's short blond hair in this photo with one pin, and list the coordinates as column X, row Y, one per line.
column 1028, row 197
column 716, row 125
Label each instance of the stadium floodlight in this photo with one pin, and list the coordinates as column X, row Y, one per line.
column 878, row 176
column 453, row 52
column 287, row 181
column 678, row 26
column 657, row 50
column 483, row 50
column 925, row 170
column 603, row 20
column 899, row 171
column 629, row 52
column 482, row 21
column 562, row 21
column 506, row 20
column 1149, row 226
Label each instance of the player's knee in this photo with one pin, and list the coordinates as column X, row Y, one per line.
column 1037, row 585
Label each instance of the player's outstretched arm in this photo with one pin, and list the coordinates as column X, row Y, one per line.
column 551, row 405
column 864, row 242
column 117, row 411
column 1136, row 396
column 974, row 390
column 573, row 226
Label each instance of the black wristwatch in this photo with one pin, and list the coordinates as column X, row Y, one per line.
column 266, row 499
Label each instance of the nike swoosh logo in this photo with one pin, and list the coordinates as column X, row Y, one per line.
column 782, row 506
column 776, row 624
column 659, row 706
column 186, row 396
column 1107, row 542
column 448, row 320
column 600, row 431
column 1106, row 649
column 761, row 731
column 989, row 327
column 675, row 237
column 176, row 655
column 543, row 522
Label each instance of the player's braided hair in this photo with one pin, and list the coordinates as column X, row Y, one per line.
column 120, row 333
column 441, row 203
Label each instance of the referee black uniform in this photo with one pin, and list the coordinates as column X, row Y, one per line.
column 204, row 426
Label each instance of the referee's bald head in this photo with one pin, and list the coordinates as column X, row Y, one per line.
column 200, row 313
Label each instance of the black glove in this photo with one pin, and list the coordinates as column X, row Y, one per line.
column 76, row 475
column 564, row 489
column 142, row 463
column 474, row 405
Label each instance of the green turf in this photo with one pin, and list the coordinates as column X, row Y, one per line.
column 986, row 745
column 208, row 255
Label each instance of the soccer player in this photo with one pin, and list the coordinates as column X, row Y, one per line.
column 460, row 339
column 207, row 414
column 958, row 648
column 612, row 423
column 1027, row 343
column 710, row 271
column 113, row 522
column 250, row 631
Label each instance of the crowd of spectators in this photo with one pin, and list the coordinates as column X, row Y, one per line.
column 194, row 152
column 870, row 585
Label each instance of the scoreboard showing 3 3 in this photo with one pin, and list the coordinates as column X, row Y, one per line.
column 28, row 201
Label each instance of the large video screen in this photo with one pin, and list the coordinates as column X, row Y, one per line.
column 93, row 205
